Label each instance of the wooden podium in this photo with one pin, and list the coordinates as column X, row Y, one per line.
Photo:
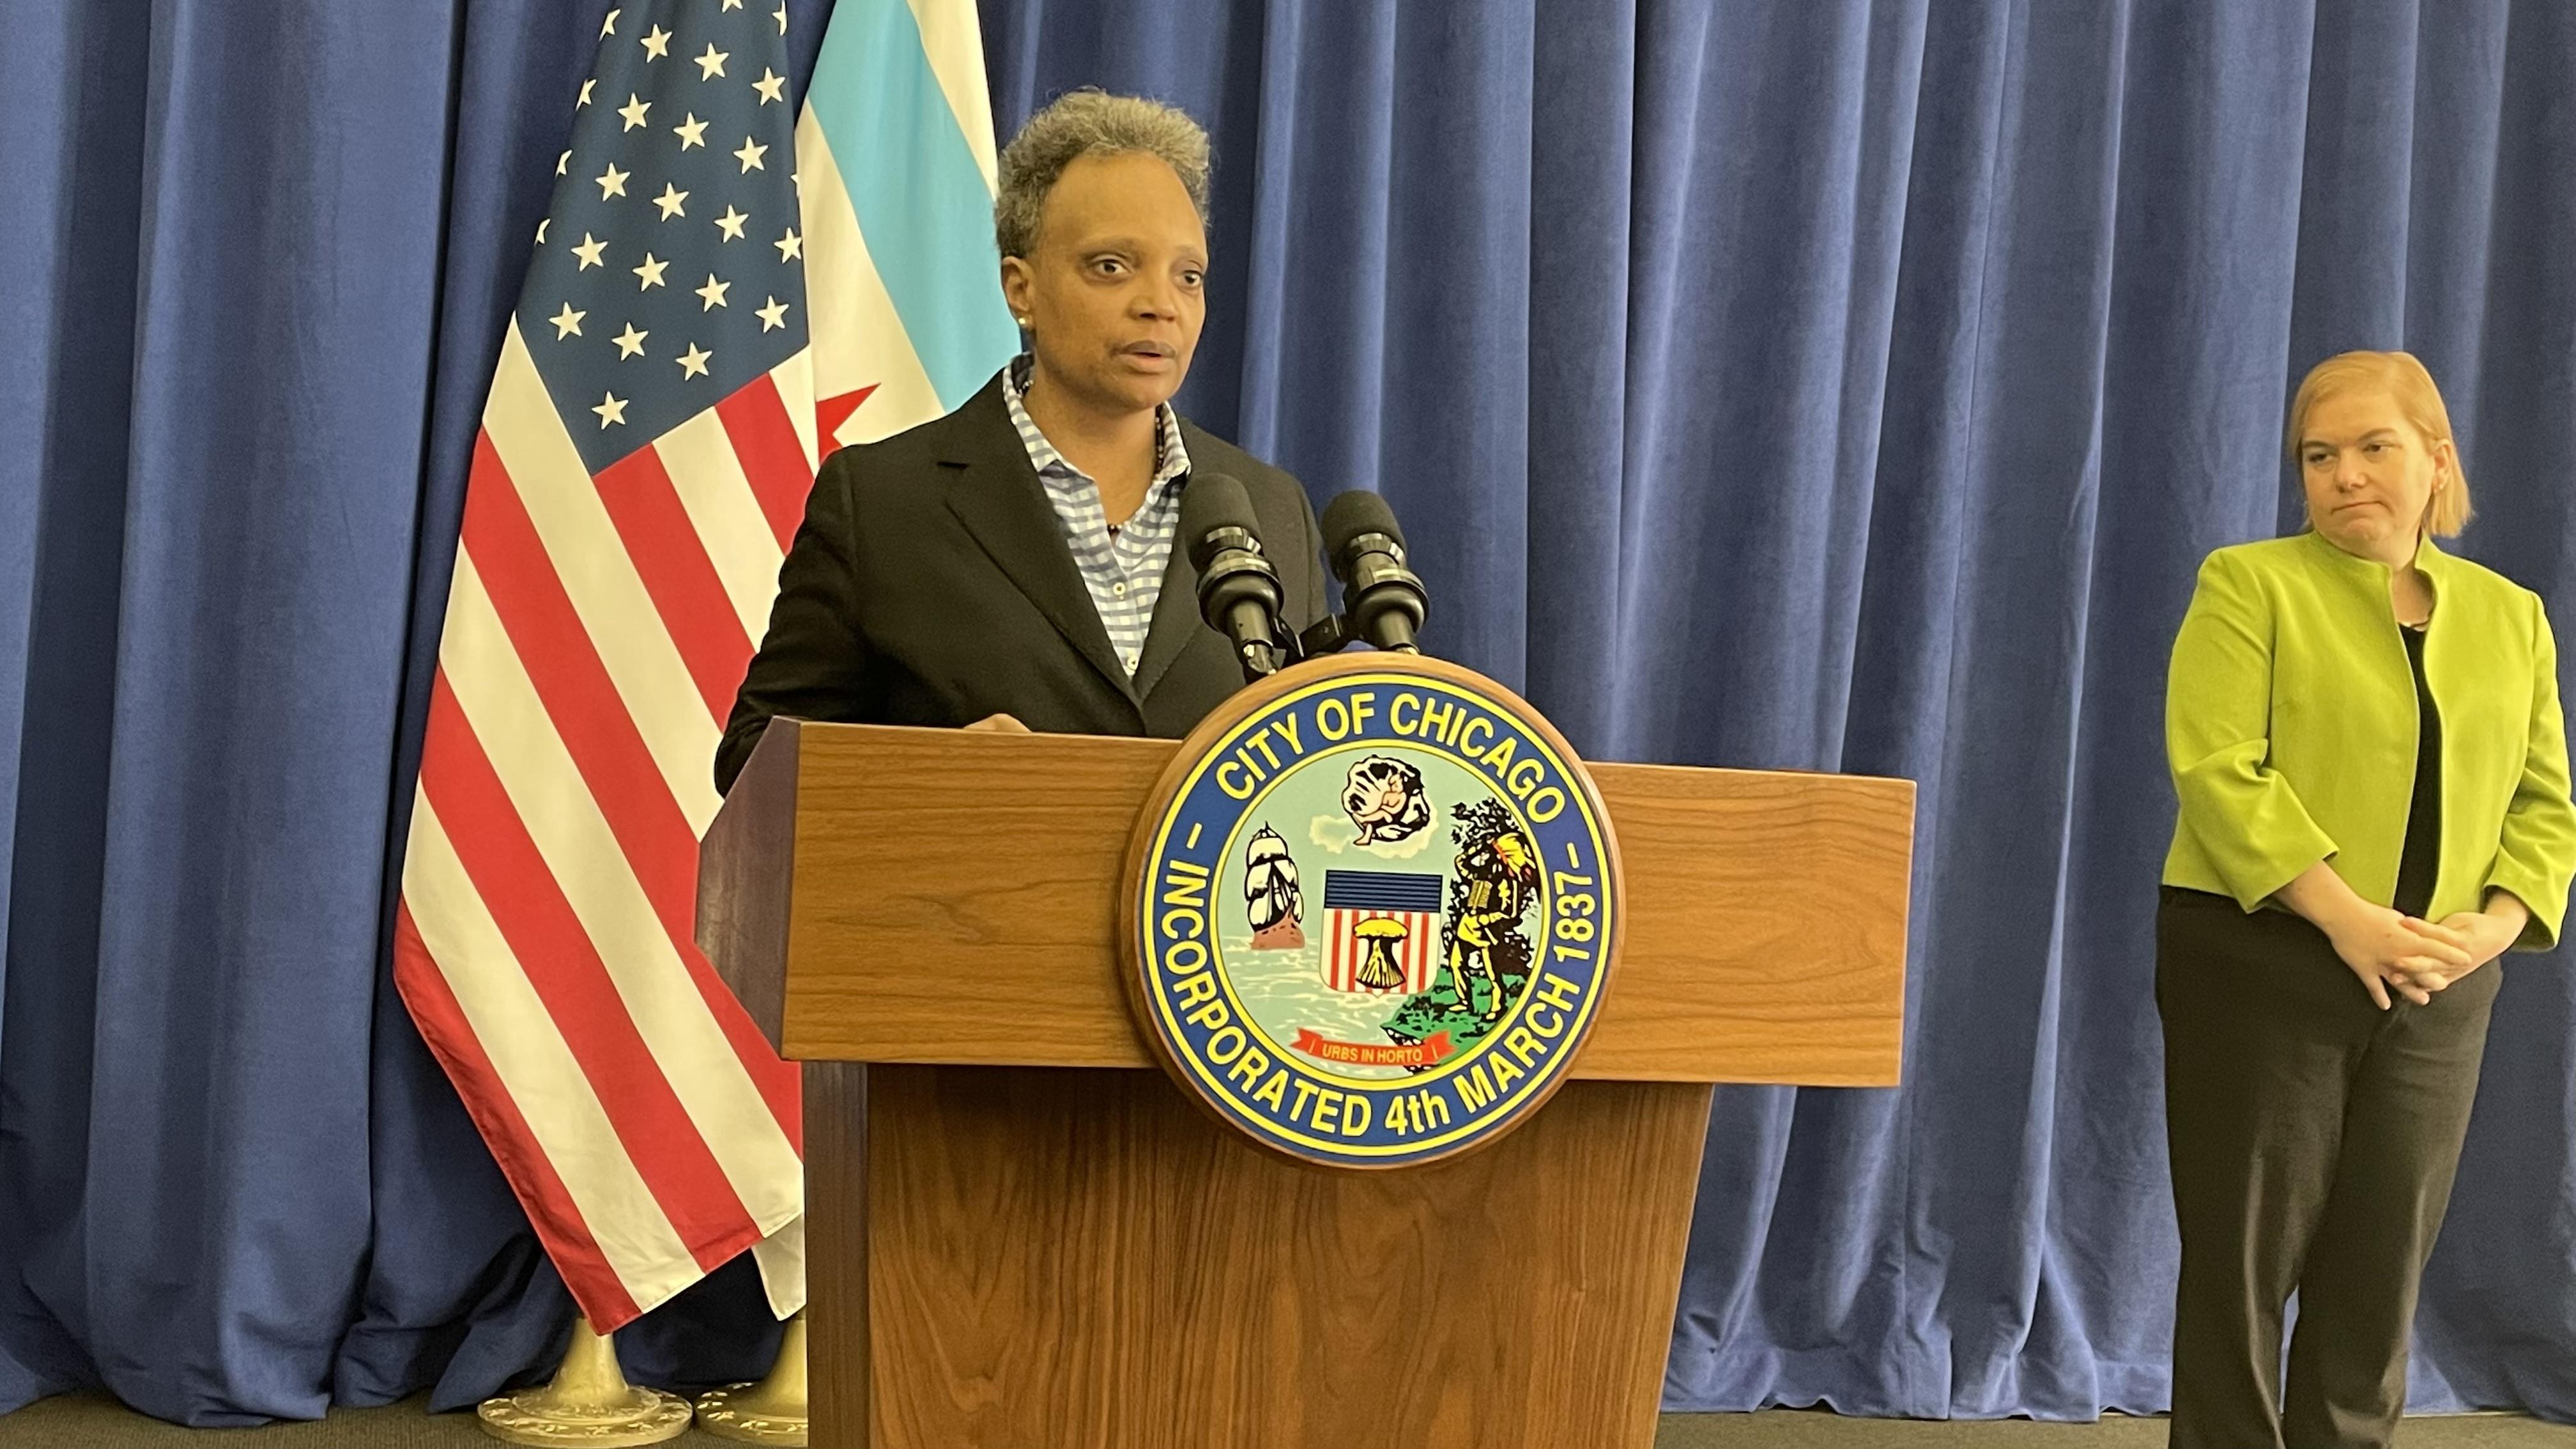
column 1021, row 1235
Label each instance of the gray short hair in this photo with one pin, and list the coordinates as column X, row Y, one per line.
column 1091, row 122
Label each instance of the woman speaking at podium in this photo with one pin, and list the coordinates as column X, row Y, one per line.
column 1015, row 563
column 2365, row 738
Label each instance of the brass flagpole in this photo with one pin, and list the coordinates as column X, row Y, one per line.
column 589, row 1403
column 771, row 1411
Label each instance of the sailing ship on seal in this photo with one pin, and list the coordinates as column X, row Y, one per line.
column 1271, row 894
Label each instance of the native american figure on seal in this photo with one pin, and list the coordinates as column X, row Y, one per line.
column 1497, row 875
column 1384, row 798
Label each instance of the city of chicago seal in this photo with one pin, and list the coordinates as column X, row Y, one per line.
column 1372, row 911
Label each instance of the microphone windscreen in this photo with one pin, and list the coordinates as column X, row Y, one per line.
column 1353, row 514
column 1210, row 502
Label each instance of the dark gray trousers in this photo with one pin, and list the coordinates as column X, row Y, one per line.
column 2313, row 1140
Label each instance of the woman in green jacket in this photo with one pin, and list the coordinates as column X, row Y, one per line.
column 2365, row 738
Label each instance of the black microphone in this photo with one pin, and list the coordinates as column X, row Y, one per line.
column 1238, row 589
column 1382, row 599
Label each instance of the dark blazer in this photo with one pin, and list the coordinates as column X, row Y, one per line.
column 930, row 584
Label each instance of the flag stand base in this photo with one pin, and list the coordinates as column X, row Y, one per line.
column 771, row 1411
column 589, row 1403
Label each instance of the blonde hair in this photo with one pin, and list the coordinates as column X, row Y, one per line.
column 2410, row 386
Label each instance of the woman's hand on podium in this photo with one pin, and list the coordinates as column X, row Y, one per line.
column 999, row 724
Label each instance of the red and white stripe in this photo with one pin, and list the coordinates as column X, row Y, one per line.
column 597, row 629
column 1417, row 957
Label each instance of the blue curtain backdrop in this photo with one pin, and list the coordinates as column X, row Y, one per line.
column 254, row 271
column 1845, row 386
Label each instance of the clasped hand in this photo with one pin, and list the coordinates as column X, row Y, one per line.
column 2388, row 948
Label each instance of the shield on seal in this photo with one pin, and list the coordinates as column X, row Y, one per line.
column 1400, row 955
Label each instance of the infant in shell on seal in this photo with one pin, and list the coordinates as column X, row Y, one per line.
column 1384, row 798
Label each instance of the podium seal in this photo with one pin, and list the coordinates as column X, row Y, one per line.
column 1372, row 910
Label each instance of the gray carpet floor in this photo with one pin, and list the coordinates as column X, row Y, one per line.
column 80, row 1421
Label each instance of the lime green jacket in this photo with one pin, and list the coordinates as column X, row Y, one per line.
column 2290, row 723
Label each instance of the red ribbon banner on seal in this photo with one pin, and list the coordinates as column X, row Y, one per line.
column 1427, row 1052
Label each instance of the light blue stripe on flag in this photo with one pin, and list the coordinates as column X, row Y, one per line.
column 919, row 195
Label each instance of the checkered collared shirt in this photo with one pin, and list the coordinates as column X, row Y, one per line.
column 1122, row 566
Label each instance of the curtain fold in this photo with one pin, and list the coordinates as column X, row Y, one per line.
column 252, row 311
column 1849, row 386
column 239, row 255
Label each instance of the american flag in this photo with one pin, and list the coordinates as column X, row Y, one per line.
column 1412, row 901
column 644, row 458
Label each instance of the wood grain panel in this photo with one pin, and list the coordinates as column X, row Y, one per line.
column 746, row 868
column 956, row 896
column 839, row 1351
column 1078, row 1260
column 1766, row 927
column 956, row 902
